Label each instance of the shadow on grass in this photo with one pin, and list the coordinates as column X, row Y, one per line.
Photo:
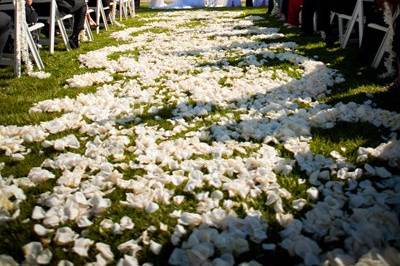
column 361, row 81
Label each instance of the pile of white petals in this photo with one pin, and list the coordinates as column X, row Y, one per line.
column 223, row 114
column 10, row 198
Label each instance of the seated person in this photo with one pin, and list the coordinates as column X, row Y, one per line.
column 322, row 10
column 77, row 8
column 31, row 19
column 106, row 3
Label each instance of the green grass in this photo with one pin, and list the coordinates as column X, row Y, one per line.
column 17, row 96
column 345, row 138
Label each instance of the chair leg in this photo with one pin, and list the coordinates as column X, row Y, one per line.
column 350, row 25
column 381, row 51
column 131, row 8
column 104, row 18
column 113, row 10
column 315, row 27
column 360, row 26
column 126, row 9
column 120, row 10
column 64, row 34
column 340, row 21
column 33, row 49
column 88, row 31
column 110, row 17
column 98, row 17
column 332, row 18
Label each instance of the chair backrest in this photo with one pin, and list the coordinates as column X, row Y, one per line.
column 21, row 31
column 6, row 5
column 6, row 2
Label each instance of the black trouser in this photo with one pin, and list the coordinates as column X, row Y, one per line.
column 321, row 7
column 5, row 28
column 285, row 7
column 270, row 6
column 77, row 8
column 396, row 46
column 106, row 3
column 396, row 40
column 79, row 20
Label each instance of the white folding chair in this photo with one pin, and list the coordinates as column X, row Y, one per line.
column 332, row 16
column 87, row 29
column 356, row 17
column 110, row 9
column 383, row 48
column 113, row 10
column 123, row 8
column 15, row 59
column 31, row 43
column 55, row 18
column 100, row 15
column 131, row 8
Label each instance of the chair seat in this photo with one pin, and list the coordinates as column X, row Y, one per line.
column 7, row 59
column 68, row 16
column 36, row 26
column 344, row 16
column 6, row 6
column 377, row 27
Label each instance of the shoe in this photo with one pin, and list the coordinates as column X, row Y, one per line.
column 305, row 34
column 73, row 42
column 46, row 31
column 394, row 88
column 330, row 43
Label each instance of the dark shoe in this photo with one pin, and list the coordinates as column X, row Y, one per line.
column 394, row 89
column 73, row 42
column 330, row 42
column 46, row 31
column 306, row 34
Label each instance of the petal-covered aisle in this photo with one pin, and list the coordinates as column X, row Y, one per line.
column 195, row 149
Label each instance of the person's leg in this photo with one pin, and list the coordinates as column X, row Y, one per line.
column 323, row 20
column 323, row 16
column 106, row 3
column 290, row 11
column 285, row 6
column 270, row 6
column 307, row 18
column 396, row 48
column 5, row 27
column 79, row 21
